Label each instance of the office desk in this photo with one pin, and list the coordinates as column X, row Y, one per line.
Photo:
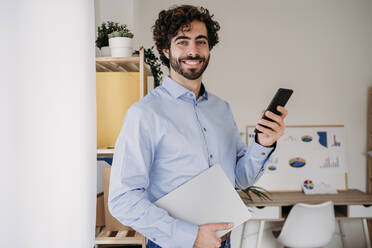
column 348, row 204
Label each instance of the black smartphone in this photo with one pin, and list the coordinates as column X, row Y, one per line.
column 280, row 99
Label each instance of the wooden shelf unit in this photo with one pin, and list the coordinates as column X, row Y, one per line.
column 126, row 64
column 106, row 235
column 119, row 66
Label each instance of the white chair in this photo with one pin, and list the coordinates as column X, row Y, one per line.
column 308, row 226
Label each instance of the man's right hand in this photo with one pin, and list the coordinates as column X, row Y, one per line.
column 207, row 237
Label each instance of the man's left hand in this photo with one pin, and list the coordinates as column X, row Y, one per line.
column 268, row 137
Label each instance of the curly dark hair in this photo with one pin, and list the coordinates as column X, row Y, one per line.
column 170, row 21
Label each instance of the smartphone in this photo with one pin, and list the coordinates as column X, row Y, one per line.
column 280, row 99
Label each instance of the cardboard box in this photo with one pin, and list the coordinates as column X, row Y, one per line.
column 100, row 211
column 110, row 222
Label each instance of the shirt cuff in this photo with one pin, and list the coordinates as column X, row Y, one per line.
column 185, row 234
column 261, row 152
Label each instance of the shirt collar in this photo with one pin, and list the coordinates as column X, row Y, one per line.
column 177, row 90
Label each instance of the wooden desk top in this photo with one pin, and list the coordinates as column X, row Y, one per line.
column 349, row 197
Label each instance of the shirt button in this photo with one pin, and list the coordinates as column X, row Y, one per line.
column 204, row 129
column 211, row 156
column 154, row 239
column 263, row 153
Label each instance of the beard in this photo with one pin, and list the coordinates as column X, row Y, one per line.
column 191, row 73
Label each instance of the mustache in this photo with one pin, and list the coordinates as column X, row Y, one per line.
column 192, row 58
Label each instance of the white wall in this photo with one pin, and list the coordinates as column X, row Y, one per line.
column 322, row 49
column 114, row 10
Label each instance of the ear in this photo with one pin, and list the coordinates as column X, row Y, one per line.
column 166, row 53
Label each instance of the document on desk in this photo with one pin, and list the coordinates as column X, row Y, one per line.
column 208, row 198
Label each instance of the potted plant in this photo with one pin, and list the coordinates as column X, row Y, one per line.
column 120, row 43
column 154, row 62
column 260, row 192
column 102, row 41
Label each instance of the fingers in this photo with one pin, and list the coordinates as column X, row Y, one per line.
column 273, row 125
column 218, row 243
column 207, row 236
column 262, row 113
column 283, row 111
column 276, row 127
column 265, row 130
column 274, row 117
column 279, row 119
column 221, row 226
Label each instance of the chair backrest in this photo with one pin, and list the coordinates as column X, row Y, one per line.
column 309, row 225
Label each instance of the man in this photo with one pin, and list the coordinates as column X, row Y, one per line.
column 178, row 131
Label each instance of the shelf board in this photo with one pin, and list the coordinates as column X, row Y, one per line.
column 122, row 64
column 105, row 152
column 122, row 237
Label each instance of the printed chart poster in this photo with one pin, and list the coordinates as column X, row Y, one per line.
column 310, row 153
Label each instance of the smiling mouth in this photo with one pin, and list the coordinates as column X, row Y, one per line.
column 192, row 62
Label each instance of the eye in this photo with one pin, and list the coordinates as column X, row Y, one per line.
column 182, row 42
column 201, row 42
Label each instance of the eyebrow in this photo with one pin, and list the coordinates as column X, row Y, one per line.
column 183, row 37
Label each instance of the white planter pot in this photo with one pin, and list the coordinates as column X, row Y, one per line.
column 105, row 51
column 121, row 47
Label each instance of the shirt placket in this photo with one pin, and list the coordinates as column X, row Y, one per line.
column 203, row 131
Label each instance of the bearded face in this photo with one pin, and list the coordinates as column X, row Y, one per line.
column 189, row 51
column 189, row 67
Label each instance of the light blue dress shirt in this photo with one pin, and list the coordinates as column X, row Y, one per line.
column 168, row 138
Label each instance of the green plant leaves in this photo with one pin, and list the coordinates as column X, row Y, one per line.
column 107, row 28
column 120, row 33
column 261, row 193
column 154, row 63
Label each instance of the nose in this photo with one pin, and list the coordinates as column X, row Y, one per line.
column 192, row 50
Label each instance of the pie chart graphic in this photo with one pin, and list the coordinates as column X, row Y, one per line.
column 308, row 184
column 271, row 167
column 297, row 162
column 306, row 138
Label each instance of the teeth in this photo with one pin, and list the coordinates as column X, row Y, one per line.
column 192, row 62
